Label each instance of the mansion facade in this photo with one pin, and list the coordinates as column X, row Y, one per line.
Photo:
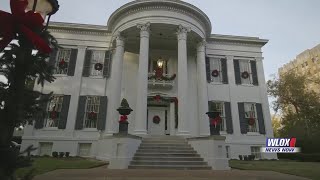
column 160, row 55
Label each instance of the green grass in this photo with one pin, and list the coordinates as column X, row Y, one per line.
column 304, row 169
column 45, row 164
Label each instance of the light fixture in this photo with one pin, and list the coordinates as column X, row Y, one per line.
column 43, row 7
column 160, row 62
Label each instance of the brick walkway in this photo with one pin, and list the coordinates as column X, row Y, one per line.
column 102, row 173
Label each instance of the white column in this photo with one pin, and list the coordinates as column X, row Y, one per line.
column 204, row 129
column 142, row 82
column 115, row 87
column 183, row 111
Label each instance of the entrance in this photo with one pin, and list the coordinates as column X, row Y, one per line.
column 160, row 127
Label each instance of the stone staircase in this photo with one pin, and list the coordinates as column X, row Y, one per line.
column 167, row 152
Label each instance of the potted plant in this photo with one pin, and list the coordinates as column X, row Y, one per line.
column 124, row 110
column 215, row 122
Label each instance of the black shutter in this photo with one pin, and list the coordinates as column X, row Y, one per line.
column 40, row 115
column 210, row 105
column 87, row 62
column 102, row 113
column 53, row 57
column 224, row 71
column 254, row 73
column 208, row 69
column 237, row 71
column 80, row 112
column 243, row 121
column 262, row 129
column 64, row 112
column 229, row 125
column 72, row 62
column 107, row 64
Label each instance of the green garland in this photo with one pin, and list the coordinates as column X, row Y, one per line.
column 163, row 78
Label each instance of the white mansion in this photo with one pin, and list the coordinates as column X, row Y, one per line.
column 160, row 55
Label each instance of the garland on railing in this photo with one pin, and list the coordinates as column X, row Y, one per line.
column 163, row 78
column 159, row 98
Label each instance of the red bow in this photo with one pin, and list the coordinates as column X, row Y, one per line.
column 215, row 121
column 21, row 22
column 123, row 118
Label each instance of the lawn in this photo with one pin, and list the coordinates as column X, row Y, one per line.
column 45, row 164
column 304, row 169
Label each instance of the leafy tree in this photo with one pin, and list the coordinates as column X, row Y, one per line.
column 299, row 107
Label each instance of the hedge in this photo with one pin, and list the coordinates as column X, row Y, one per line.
column 301, row 157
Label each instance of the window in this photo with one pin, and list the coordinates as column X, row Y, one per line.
column 53, row 111
column 153, row 66
column 245, row 72
column 91, row 112
column 45, row 148
column 219, row 107
column 97, row 57
column 251, row 117
column 62, row 62
column 84, row 149
column 228, row 151
column 216, row 70
column 255, row 150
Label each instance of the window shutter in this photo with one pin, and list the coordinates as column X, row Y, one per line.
column 64, row 112
column 87, row 62
column 53, row 57
column 39, row 118
column 224, row 71
column 208, row 69
column 80, row 112
column 262, row 129
column 243, row 121
column 237, row 71
column 107, row 64
column 227, row 108
column 254, row 73
column 102, row 113
column 210, row 105
column 72, row 62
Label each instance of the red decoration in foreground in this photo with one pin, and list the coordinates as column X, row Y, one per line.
column 22, row 22
column 215, row 121
column 123, row 119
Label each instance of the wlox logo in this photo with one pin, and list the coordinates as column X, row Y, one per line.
column 280, row 145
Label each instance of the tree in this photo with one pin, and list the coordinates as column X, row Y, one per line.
column 276, row 125
column 299, row 107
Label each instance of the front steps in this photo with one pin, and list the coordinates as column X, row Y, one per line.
column 166, row 152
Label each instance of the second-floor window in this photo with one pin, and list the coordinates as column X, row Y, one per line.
column 54, row 111
column 97, row 63
column 245, row 72
column 217, row 71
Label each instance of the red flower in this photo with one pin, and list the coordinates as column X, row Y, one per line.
column 157, row 98
column 215, row 121
column 23, row 23
column 123, row 119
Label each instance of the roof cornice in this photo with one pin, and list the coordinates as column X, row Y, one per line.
column 240, row 40
column 74, row 28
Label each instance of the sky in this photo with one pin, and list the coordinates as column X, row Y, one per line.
column 291, row 26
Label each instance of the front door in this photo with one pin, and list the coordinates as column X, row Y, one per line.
column 156, row 127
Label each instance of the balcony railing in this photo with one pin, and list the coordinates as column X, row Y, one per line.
column 166, row 81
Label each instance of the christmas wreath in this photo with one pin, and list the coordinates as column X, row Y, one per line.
column 251, row 121
column 245, row 75
column 156, row 119
column 92, row 115
column 215, row 73
column 98, row 66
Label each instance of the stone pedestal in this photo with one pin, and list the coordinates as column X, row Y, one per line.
column 213, row 150
column 118, row 150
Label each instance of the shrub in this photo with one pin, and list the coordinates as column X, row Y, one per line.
column 301, row 157
column 245, row 157
column 67, row 154
column 240, row 157
column 55, row 154
column 61, row 154
column 251, row 157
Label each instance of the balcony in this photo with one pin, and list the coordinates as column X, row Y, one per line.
column 161, row 81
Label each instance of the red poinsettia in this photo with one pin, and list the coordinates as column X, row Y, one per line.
column 23, row 23
column 215, row 121
column 123, row 119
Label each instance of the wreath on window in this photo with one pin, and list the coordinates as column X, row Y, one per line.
column 62, row 64
column 92, row 115
column 245, row 75
column 215, row 73
column 156, row 119
column 98, row 66
column 251, row 121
